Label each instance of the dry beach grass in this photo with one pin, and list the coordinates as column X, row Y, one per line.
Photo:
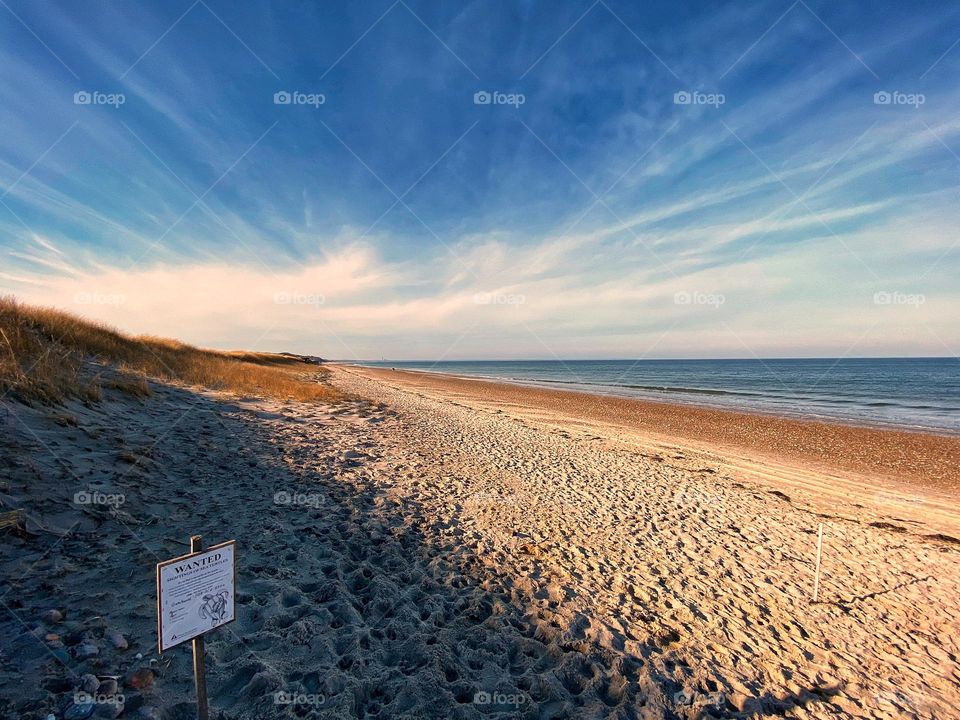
column 45, row 351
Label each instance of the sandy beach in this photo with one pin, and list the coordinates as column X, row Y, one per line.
column 447, row 548
column 525, row 360
column 899, row 470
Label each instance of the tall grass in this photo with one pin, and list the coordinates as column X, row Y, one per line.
column 50, row 355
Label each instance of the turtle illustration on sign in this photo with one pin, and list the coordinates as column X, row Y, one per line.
column 214, row 607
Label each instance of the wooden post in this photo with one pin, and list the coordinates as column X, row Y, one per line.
column 199, row 673
column 816, row 579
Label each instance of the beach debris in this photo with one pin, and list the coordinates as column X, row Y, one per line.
column 880, row 525
column 140, row 679
column 12, row 520
column 940, row 537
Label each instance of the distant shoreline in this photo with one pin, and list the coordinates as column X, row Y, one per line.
column 927, row 459
column 677, row 397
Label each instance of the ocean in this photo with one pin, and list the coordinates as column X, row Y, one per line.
column 909, row 393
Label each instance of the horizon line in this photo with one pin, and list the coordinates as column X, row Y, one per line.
column 666, row 359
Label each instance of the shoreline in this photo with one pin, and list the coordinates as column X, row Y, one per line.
column 613, row 393
column 918, row 473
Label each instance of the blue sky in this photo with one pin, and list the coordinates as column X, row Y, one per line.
column 649, row 180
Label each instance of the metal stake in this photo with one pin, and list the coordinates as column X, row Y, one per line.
column 816, row 579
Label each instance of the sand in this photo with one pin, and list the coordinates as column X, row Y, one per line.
column 471, row 550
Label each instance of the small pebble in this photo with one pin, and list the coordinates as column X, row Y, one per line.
column 89, row 683
column 108, row 686
column 117, row 640
column 53, row 616
column 74, row 636
column 86, row 650
column 79, row 711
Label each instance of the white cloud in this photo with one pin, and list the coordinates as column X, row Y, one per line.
column 548, row 298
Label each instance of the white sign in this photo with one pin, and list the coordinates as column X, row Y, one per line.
column 195, row 594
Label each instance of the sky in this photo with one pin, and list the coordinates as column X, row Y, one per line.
column 473, row 180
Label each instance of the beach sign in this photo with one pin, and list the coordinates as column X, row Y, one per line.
column 196, row 594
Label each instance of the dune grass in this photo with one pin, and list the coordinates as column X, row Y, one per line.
column 48, row 355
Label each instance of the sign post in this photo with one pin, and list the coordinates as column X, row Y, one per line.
column 195, row 594
column 199, row 672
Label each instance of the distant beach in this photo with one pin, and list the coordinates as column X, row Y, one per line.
column 904, row 393
column 856, row 459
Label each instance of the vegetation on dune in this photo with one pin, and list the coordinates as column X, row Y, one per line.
column 50, row 355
